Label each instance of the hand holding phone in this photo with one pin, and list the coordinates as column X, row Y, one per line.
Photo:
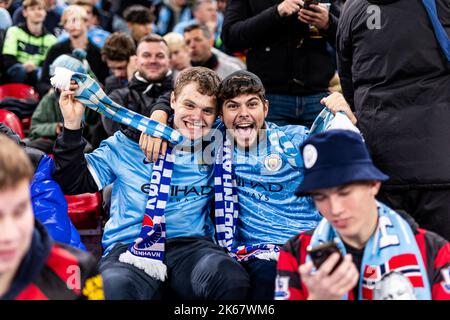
column 307, row 3
column 320, row 253
column 324, row 283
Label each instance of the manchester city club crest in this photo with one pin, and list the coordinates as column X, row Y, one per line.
column 203, row 167
column 273, row 162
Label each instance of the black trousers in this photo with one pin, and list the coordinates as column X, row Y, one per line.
column 429, row 208
column 197, row 269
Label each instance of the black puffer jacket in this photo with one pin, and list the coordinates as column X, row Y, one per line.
column 398, row 81
column 141, row 97
column 281, row 51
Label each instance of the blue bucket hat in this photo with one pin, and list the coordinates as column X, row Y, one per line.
column 334, row 158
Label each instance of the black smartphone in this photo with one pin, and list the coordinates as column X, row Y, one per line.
column 307, row 3
column 321, row 252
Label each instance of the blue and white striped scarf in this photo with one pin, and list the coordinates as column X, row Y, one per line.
column 92, row 96
column 392, row 248
column 226, row 200
column 148, row 250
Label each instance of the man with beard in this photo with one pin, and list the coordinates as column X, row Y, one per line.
column 152, row 78
column 196, row 267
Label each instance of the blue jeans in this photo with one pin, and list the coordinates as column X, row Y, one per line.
column 17, row 74
column 196, row 267
column 297, row 110
column 262, row 278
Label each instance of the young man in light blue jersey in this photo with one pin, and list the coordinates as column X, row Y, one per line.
column 269, row 211
column 266, row 178
column 196, row 267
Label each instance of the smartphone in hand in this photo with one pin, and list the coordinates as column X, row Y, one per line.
column 322, row 252
column 307, row 3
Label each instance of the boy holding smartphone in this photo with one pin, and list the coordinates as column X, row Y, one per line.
column 378, row 241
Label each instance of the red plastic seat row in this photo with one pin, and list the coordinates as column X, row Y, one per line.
column 18, row 91
column 12, row 121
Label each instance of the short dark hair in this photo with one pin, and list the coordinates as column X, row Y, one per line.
column 138, row 14
column 206, row 32
column 206, row 79
column 237, row 85
column 15, row 165
column 118, row 46
column 153, row 37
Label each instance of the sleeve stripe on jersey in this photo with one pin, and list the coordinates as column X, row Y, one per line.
column 94, row 175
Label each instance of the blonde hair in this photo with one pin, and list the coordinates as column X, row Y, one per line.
column 174, row 41
column 75, row 11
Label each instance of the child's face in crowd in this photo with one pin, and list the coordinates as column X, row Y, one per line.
column 349, row 208
column 194, row 113
column 35, row 14
column 16, row 226
column 243, row 116
column 152, row 60
column 179, row 58
column 75, row 26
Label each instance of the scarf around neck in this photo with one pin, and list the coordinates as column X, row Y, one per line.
column 391, row 251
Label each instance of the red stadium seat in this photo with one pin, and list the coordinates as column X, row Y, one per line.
column 18, row 91
column 12, row 121
column 85, row 212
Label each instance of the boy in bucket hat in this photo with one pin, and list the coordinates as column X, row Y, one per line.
column 373, row 239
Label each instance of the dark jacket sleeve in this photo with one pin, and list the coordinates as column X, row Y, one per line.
column 344, row 58
column 242, row 30
column 71, row 171
column 163, row 103
column 331, row 32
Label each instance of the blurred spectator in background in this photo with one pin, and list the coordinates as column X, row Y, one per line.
column 119, row 48
column 95, row 33
column 287, row 49
column 179, row 53
column 199, row 41
column 51, row 22
column 26, row 45
column 400, row 92
column 171, row 13
column 74, row 20
column 205, row 12
column 119, row 53
column 222, row 6
column 5, row 16
column 139, row 21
